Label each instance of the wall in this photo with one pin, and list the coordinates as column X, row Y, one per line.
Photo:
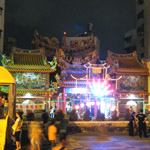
column 95, row 126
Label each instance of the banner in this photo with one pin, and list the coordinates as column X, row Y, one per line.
column 31, row 106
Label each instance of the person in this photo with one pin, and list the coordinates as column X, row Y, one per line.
column 3, row 102
column 17, row 129
column 52, row 130
column 63, row 143
column 131, row 110
column 132, row 124
column 55, row 110
column 6, row 107
column 45, row 118
column 142, row 123
column 52, row 112
column 63, row 125
column 35, row 135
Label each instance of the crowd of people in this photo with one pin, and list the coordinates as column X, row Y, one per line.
column 138, row 123
column 47, row 131
column 39, row 133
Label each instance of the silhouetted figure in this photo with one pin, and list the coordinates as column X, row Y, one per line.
column 132, row 124
column 142, row 123
column 45, row 117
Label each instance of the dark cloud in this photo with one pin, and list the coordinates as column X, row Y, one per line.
column 111, row 19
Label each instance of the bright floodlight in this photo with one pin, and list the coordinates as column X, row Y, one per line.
column 77, row 107
column 82, row 105
column 100, row 88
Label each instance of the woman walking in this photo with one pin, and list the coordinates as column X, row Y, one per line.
column 17, row 129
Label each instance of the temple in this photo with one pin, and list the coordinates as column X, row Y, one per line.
column 132, row 88
column 84, row 82
column 31, row 70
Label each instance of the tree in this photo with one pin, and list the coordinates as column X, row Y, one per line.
column 100, row 116
column 73, row 115
column 86, row 116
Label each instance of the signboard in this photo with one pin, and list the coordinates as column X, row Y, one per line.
column 147, row 106
column 31, row 106
column 96, row 70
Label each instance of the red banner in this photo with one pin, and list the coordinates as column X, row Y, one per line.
column 31, row 106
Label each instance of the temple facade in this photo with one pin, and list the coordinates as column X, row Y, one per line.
column 31, row 70
column 132, row 88
column 123, row 76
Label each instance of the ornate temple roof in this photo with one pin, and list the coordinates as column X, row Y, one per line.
column 69, row 78
column 28, row 59
column 126, row 64
column 24, row 60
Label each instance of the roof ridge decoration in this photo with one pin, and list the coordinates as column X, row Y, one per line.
column 50, row 45
column 31, row 51
column 79, row 62
column 115, row 55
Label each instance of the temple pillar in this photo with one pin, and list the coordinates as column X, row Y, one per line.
column 57, row 104
column 95, row 109
column 64, row 101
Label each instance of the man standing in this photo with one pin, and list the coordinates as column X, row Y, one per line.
column 142, row 123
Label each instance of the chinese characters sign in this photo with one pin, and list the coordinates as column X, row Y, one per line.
column 31, row 106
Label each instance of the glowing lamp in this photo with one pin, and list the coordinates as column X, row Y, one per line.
column 113, row 108
column 97, row 103
column 108, row 105
column 76, row 107
column 82, row 105
column 88, row 104
column 92, row 103
column 100, row 88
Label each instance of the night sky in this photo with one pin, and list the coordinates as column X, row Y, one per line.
column 111, row 19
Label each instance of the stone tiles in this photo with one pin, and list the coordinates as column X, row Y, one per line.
column 103, row 141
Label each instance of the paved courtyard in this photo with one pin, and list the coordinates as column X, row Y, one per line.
column 101, row 141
